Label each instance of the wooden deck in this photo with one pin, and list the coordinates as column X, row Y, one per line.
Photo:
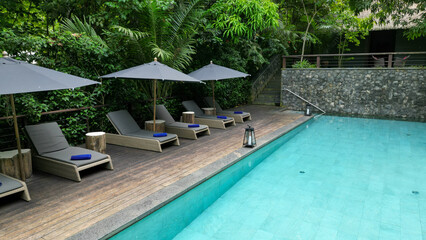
column 60, row 208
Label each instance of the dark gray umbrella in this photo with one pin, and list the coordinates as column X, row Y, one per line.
column 152, row 71
column 216, row 72
column 21, row 77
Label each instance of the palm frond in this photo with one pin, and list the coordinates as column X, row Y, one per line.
column 182, row 56
column 133, row 34
column 75, row 25
column 162, row 54
column 184, row 20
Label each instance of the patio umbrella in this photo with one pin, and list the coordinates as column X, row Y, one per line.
column 152, row 71
column 21, row 77
column 216, row 72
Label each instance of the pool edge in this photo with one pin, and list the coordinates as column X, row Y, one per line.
column 118, row 221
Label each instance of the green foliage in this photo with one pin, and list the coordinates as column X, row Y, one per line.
column 349, row 27
column 303, row 64
column 244, row 18
column 410, row 14
column 31, row 107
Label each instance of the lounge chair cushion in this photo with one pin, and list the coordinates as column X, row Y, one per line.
column 209, row 101
column 47, row 137
column 192, row 106
column 244, row 114
column 149, row 134
column 215, row 118
column 8, row 184
column 124, row 122
column 64, row 155
column 185, row 125
column 219, row 110
column 163, row 114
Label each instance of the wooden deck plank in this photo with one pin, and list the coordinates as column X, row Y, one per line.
column 61, row 208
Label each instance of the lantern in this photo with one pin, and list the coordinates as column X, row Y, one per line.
column 308, row 110
column 249, row 139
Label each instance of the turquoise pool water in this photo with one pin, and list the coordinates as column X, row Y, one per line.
column 338, row 178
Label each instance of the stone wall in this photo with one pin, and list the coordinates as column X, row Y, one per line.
column 381, row 93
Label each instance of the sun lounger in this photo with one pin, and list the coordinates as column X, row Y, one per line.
column 10, row 185
column 131, row 135
column 181, row 129
column 237, row 115
column 209, row 120
column 53, row 153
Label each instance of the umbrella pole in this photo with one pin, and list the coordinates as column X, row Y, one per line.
column 155, row 99
column 214, row 105
column 18, row 140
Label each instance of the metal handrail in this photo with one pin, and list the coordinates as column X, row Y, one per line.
column 297, row 95
column 258, row 76
column 346, row 60
column 353, row 54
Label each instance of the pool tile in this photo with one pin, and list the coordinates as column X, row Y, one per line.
column 245, row 232
column 347, row 236
column 390, row 216
column 371, row 212
column 369, row 228
column 229, row 230
column 331, row 219
column 388, row 231
column 262, row 235
column 349, row 225
column 326, row 234
column 306, row 230
column 315, row 215
column 187, row 234
column 411, row 225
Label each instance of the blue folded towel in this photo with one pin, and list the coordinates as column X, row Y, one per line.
column 193, row 125
column 81, row 157
column 238, row 112
column 159, row 134
column 222, row 117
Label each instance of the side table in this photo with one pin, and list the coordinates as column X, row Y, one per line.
column 188, row 117
column 160, row 125
column 9, row 164
column 209, row 111
column 96, row 141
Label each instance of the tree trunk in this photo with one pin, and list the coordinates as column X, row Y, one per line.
column 304, row 41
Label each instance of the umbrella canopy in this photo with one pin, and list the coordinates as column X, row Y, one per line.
column 216, row 72
column 153, row 71
column 21, row 77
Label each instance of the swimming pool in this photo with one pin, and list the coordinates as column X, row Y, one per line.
column 332, row 178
